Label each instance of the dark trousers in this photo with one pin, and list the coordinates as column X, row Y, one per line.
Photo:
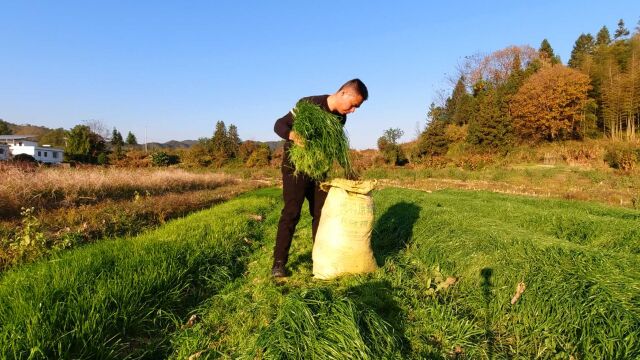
column 295, row 188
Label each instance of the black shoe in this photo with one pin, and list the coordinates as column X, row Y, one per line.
column 278, row 270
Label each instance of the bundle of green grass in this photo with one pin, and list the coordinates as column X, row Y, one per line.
column 324, row 142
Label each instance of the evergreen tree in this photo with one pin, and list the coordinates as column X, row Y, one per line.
column 621, row 31
column 219, row 139
column 117, row 142
column 490, row 129
column 583, row 47
column 603, row 37
column 546, row 52
column 131, row 139
column 116, row 138
column 433, row 141
column 459, row 106
column 4, row 128
column 233, row 140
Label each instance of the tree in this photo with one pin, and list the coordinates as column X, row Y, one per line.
column 388, row 146
column 233, row 141
column 4, row 128
column 198, row 154
column 117, row 142
column 621, row 31
column 261, row 156
column 131, row 139
column 496, row 67
column 84, row 145
column 433, row 141
column 583, row 47
column 116, row 138
column 219, row 138
column 97, row 127
column 163, row 159
column 458, row 107
column 603, row 37
column 246, row 149
column 551, row 105
column 547, row 54
column 393, row 135
column 490, row 128
column 54, row 137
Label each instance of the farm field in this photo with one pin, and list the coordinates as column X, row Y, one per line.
column 450, row 262
column 43, row 210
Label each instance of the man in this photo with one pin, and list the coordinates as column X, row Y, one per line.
column 295, row 188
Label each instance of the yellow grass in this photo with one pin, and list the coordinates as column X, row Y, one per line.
column 48, row 188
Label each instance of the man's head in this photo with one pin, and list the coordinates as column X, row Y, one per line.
column 349, row 97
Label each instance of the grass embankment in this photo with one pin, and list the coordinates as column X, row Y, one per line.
column 118, row 299
column 450, row 263
column 561, row 181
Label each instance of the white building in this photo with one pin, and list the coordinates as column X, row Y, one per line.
column 21, row 144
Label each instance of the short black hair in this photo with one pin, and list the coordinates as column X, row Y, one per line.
column 358, row 86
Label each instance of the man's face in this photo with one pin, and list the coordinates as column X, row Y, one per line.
column 348, row 101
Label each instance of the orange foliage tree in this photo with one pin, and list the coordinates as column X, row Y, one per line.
column 551, row 105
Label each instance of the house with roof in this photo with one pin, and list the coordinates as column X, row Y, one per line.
column 26, row 144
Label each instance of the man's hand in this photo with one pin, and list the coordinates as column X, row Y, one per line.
column 297, row 139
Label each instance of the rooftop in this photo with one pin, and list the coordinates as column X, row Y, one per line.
column 16, row 137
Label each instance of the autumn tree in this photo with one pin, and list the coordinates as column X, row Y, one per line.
column 551, row 105
column 496, row 67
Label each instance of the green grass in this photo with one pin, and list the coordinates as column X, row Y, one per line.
column 118, row 299
column 324, row 141
column 579, row 262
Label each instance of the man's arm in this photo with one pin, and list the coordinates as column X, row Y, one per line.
column 283, row 127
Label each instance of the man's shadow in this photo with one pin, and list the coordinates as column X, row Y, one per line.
column 393, row 230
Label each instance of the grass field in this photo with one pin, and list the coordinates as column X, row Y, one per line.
column 450, row 263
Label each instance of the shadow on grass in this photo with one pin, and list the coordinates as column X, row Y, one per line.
column 486, row 274
column 303, row 259
column 377, row 296
column 393, row 230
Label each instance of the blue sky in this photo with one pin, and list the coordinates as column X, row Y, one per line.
column 175, row 68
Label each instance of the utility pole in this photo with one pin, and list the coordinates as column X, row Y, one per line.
column 145, row 138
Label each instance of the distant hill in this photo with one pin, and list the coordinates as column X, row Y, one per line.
column 172, row 144
column 28, row 129
column 38, row 131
